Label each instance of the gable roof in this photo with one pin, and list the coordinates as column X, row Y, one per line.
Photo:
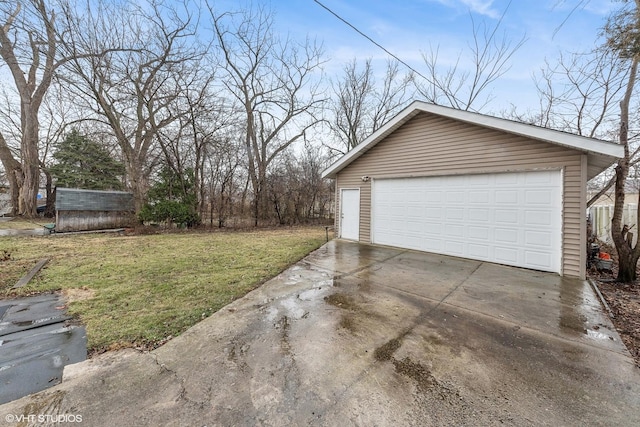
column 600, row 154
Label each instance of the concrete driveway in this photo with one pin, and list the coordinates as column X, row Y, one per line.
column 362, row 335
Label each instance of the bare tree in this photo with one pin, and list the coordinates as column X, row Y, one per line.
column 623, row 37
column 580, row 94
column 271, row 80
column 597, row 98
column 226, row 165
column 361, row 105
column 130, row 61
column 297, row 192
column 188, row 142
column 28, row 43
column 465, row 85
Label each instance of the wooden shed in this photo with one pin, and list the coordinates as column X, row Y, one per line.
column 458, row 183
column 81, row 210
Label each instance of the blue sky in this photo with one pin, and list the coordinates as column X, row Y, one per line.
column 410, row 27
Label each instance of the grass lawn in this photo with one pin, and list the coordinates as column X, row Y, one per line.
column 22, row 224
column 142, row 290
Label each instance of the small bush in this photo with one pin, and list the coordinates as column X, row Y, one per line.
column 169, row 211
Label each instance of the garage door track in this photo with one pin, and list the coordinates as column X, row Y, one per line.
column 364, row 335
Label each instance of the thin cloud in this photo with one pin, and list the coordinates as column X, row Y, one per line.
column 482, row 7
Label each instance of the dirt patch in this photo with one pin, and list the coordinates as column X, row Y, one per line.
column 385, row 351
column 78, row 294
column 284, row 325
column 624, row 301
column 416, row 371
column 43, row 403
column 348, row 322
column 346, row 302
column 341, row 300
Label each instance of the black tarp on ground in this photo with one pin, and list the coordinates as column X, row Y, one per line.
column 36, row 342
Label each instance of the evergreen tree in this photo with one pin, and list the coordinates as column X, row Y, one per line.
column 83, row 163
column 172, row 199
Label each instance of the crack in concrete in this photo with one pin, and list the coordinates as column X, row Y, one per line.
column 182, row 394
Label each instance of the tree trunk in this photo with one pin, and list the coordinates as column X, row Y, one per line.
column 50, row 208
column 627, row 255
column 13, row 172
column 137, row 183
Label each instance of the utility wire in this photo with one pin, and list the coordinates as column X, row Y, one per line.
column 373, row 41
column 395, row 56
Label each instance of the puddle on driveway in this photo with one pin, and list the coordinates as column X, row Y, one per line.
column 580, row 312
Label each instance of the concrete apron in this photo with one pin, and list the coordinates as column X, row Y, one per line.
column 362, row 335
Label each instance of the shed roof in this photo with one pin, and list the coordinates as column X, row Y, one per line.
column 600, row 154
column 76, row 199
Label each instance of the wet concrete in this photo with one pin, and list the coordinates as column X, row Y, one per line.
column 360, row 335
column 36, row 342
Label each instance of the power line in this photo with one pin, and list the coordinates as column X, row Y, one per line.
column 431, row 82
column 373, row 41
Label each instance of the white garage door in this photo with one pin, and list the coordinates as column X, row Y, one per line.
column 507, row 218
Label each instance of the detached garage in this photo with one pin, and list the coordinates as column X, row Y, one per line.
column 447, row 181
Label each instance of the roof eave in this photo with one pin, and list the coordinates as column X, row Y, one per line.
column 600, row 152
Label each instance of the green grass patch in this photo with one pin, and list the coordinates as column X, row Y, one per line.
column 142, row 290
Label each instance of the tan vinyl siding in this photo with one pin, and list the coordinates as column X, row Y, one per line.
column 429, row 145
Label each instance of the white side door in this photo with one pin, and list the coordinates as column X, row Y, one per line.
column 350, row 214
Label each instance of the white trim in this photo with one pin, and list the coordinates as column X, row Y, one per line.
column 608, row 150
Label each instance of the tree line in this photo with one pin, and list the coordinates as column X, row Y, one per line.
column 213, row 103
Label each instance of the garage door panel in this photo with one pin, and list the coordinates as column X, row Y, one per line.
column 540, row 259
column 432, row 245
column 538, row 197
column 479, row 197
column 455, row 214
column 504, row 255
column 506, row 179
column 454, row 248
column 432, row 229
column 506, row 235
column 433, row 213
column 544, row 179
column 453, row 230
column 508, row 218
column 480, row 233
column 456, row 197
column 538, row 238
column 433, row 197
column 538, row 218
column 478, row 181
column 415, row 211
column 509, row 197
column 479, row 251
column 479, row 215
